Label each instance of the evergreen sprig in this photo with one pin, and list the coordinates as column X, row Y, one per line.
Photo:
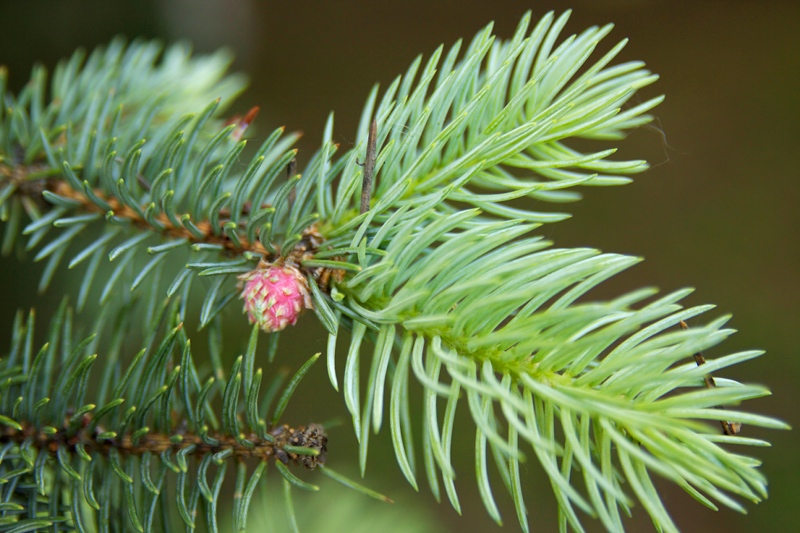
column 436, row 268
column 104, row 455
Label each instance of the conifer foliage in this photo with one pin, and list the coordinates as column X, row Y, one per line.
column 409, row 248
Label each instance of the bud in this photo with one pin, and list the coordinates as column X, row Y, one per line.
column 274, row 296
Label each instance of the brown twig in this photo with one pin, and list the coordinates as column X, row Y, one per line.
column 62, row 188
column 27, row 185
column 312, row 436
column 369, row 166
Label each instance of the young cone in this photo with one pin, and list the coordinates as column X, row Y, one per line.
column 274, row 296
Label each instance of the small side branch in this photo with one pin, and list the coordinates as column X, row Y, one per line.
column 369, row 167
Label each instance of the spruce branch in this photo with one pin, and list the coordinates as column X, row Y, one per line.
column 484, row 315
column 419, row 252
column 63, row 445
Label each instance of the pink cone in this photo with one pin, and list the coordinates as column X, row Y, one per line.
column 275, row 296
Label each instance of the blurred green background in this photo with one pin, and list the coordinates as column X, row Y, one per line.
column 718, row 211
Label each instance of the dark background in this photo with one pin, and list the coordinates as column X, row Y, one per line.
column 718, row 210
